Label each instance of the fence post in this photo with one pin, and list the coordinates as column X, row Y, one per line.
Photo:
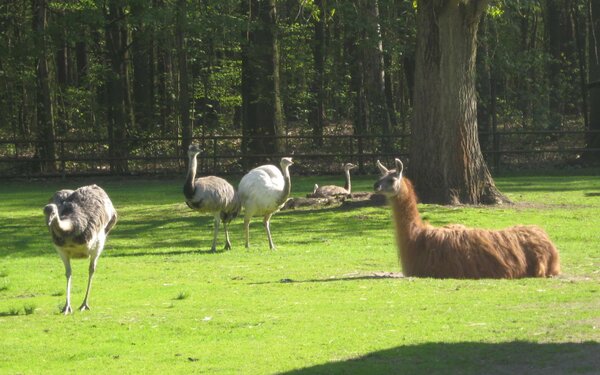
column 214, row 154
column 63, row 172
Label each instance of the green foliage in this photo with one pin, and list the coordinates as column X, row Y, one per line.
column 325, row 302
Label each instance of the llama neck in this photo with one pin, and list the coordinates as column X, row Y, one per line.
column 188, row 187
column 348, row 185
column 406, row 213
column 287, row 186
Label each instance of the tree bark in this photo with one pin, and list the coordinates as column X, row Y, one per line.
column 44, row 109
column 184, row 94
column 446, row 162
column 318, row 85
column 377, row 96
column 554, row 42
column 360, row 115
column 118, row 114
column 262, row 113
column 141, row 58
column 593, row 138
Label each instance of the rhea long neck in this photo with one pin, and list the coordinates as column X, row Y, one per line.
column 188, row 187
column 348, row 185
column 59, row 226
column 287, row 185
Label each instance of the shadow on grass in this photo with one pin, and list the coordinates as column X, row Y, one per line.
column 161, row 253
column 467, row 358
column 374, row 276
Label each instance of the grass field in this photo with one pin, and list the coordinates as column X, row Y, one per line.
column 322, row 303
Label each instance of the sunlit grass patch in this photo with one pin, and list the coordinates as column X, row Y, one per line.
column 330, row 299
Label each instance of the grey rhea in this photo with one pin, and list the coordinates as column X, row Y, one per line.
column 210, row 194
column 333, row 190
column 79, row 222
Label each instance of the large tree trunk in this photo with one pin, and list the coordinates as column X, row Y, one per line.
column 318, row 85
column 446, row 161
column 44, row 113
column 377, row 95
column 184, row 94
column 360, row 115
column 262, row 113
column 141, row 57
column 118, row 114
column 593, row 139
column 553, row 45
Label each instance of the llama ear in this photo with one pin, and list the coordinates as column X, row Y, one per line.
column 383, row 170
column 399, row 168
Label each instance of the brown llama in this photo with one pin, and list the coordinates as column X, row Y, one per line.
column 455, row 251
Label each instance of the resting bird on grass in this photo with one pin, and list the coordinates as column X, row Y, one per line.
column 79, row 222
column 263, row 191
column 333, row 190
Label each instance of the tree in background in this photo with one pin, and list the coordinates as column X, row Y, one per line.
column 593, row 141
column 262, row 113
column 120, row 118
column 184, row 91
column 317, row 116
column 44, row 111
column 115, row 72
column 446, row 162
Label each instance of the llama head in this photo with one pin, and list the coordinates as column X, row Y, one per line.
column 193, row 150
column 390, row 182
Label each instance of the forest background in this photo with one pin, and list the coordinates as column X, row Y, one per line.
column 123, row 72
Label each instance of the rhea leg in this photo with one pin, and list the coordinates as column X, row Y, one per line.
column 92, row 269
column 67, row 308
column 227, row 242
column 247, row 230
column 267, row 223
column 213, row 248
column 93, row 261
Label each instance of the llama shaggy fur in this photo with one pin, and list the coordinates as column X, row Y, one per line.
column 455, row 251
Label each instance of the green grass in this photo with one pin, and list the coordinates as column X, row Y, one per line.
column 162, row 303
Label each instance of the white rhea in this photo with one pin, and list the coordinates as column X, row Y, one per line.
column 79, row 222
column 263, row 191
column 333, row 190
column 210, row 194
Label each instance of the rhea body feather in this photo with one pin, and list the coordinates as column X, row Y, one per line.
column 211, row 194
column 333, row 190
column 79, row 222
column 263, row 191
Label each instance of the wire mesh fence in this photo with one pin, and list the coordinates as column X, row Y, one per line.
column 222, row 154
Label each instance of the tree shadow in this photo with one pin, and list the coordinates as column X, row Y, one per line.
column 470, row 358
